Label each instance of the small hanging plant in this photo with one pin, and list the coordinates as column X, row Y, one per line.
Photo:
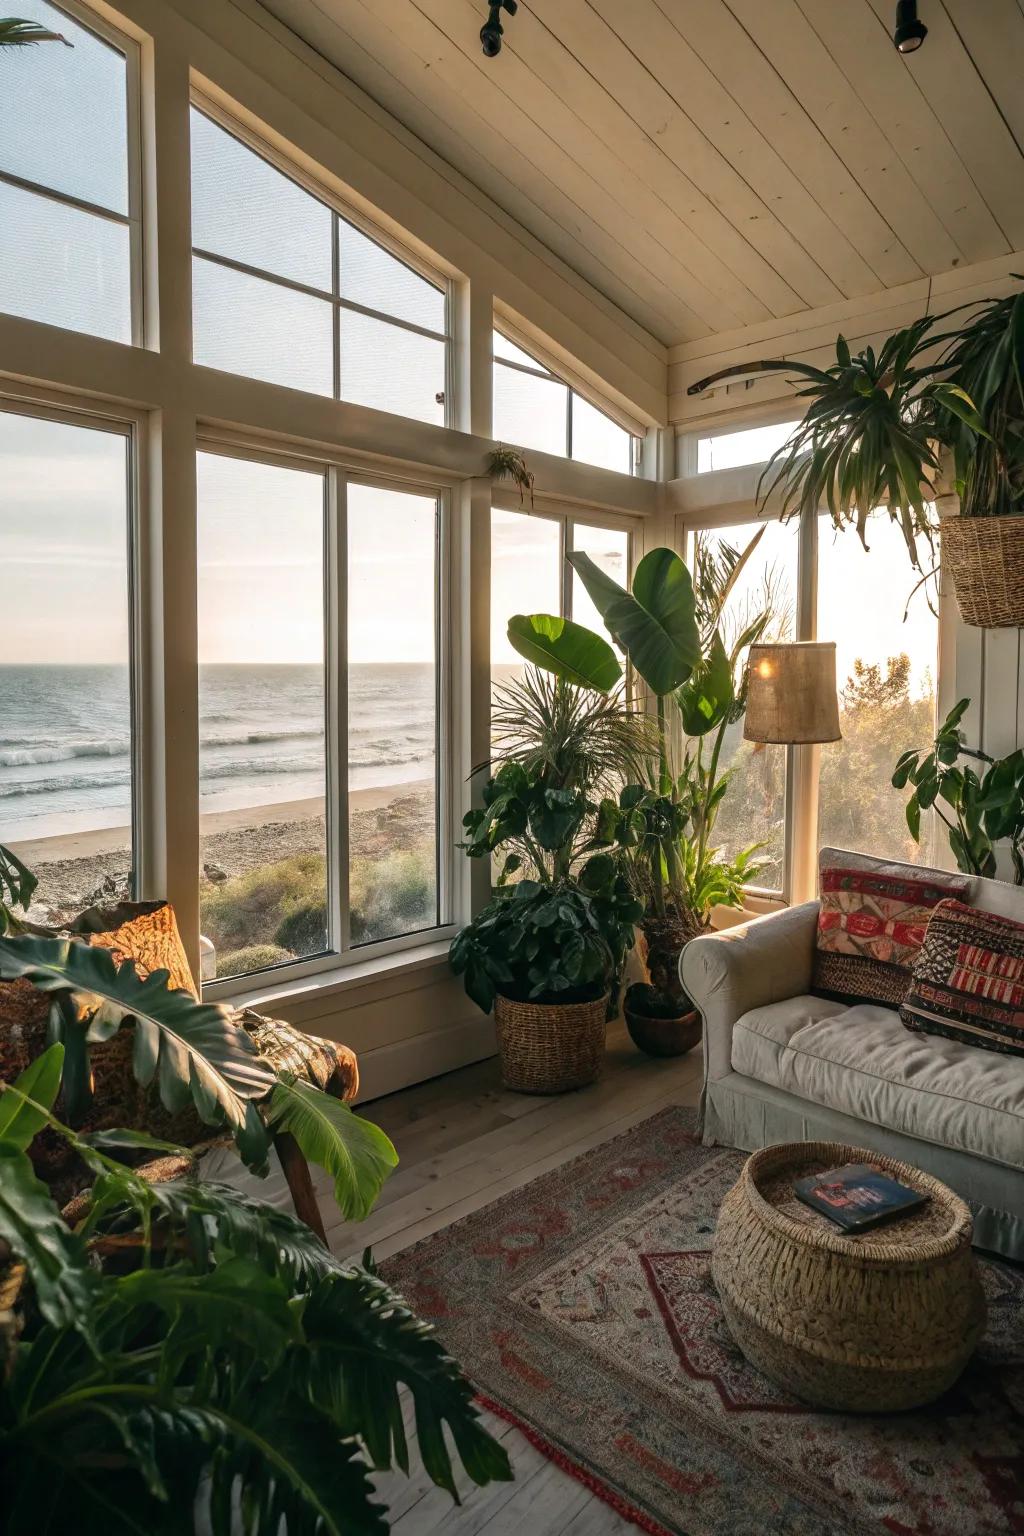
column 509, row 464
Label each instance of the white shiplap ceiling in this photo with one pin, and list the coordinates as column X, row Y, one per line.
column 710, row 164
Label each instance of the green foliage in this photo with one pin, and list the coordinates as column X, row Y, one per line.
column 509, row 464
column 250, row 908
column 535, row 824
column 254, row 957
column 559, row 942
column 354, row 1151
column 984, row 362
column 393, row 894
column 984, row 807
column 16, row 887
column 655, row 624
column 568, row 650
column 190, row 1359
column 303, row 930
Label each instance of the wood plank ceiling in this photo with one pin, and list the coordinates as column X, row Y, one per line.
column 710, row 164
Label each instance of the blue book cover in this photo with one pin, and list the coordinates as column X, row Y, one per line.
column 857, row 1196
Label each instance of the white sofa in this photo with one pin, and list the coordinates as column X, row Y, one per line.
column 781, row 1064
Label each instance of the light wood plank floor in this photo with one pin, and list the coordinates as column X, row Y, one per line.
column 463, row 1141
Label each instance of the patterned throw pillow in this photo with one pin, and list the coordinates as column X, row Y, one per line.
column 872, row 924
column 968, row 981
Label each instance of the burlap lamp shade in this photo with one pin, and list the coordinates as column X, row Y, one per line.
column 792, row 693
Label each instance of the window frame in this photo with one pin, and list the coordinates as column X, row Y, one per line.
column 339, row 210
column 543, row 371
column 338, row 472
column 51, row 405
column 127, row 46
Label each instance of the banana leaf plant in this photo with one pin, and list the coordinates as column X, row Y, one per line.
column 187, row 1359
column 982, row 807
column 873, row 427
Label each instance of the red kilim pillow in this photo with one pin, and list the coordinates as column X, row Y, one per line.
column 968, row 981
column 871, row 927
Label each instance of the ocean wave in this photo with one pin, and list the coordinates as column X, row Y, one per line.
column 68, row 784
column 23, row 757
column 259, row 738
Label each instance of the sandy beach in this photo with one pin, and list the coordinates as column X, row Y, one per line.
column 80, row 868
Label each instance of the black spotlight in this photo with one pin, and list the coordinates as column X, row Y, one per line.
column 491, row 32
column 910, row 33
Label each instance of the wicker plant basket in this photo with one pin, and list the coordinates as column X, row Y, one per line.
column 874, row 1323
column 550, row 1047
column 985, row 558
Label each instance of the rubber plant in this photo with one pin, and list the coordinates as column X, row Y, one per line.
column 183, row 1359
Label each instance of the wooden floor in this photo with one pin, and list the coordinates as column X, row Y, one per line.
column 463, row 1141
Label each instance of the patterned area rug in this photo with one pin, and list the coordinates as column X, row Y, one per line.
column 582, row 1306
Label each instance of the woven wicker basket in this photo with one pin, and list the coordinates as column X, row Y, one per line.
column 873, row 1323
column 985, row 558
column 550, row 1047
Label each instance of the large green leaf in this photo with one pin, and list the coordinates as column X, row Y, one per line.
column 355, row 1152
column 16, row 886
column 39, row 1083
column 568, row 650
column 193, row 1047
column 55, row 1258
column 655, row 624
column 706, row 698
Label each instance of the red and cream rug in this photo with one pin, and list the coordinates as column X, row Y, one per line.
column 582, row 1306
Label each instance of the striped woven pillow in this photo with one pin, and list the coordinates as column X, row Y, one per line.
column 968, row 981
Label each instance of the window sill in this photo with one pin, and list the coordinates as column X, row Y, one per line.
column 341, row 979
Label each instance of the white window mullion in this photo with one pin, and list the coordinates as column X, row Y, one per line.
column 338, row 861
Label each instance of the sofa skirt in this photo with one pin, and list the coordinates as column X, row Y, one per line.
column 737, row 1111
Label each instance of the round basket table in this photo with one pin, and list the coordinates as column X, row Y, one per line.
column 882, row 1321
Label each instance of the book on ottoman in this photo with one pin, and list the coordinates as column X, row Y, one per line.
column 857, row 1196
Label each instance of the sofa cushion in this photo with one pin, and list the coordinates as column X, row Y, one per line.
column 871, row 925
column 968, row 981
column 861, row 1061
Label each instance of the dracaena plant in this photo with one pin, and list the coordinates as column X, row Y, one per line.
column 873, row 428
column 980, row 807
column 186, row 1359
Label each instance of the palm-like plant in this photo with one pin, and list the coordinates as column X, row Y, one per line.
column 15, row 33
column 187, row 1359
column 868, row 437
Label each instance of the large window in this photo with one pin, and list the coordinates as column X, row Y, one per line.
column 286, row 289
column 885, row 670
column 754, row 807
column 320, row 712
column 69, row 200
column 749, row 445
column 534, row 408
column 66, row 751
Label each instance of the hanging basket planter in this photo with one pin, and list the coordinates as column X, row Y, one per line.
column 984, row 556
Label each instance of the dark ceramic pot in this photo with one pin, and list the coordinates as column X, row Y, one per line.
column 655, row 1033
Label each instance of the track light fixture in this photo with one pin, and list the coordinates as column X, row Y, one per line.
column 492, row 31
column 910, row 33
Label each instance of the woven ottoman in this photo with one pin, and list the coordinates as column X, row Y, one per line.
column 872, row 1323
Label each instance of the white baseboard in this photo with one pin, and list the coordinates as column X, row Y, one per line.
column 399, row 1065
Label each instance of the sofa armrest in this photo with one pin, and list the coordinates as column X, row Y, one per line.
column 728, row 973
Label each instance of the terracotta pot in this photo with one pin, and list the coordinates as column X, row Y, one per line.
column 660, row 1036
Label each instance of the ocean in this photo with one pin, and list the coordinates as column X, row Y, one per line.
column 65, row 762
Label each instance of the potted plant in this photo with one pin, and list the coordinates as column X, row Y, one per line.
column 670, row 631
column 874, row 434
column 546, row 955
column 983, row 548
column 547, row 952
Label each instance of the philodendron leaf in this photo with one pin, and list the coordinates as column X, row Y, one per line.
column 568, row 650
column 355, row 1152
column 31, row 1223
column 655, row 624
column 195, row 1047
column 40, row 1083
